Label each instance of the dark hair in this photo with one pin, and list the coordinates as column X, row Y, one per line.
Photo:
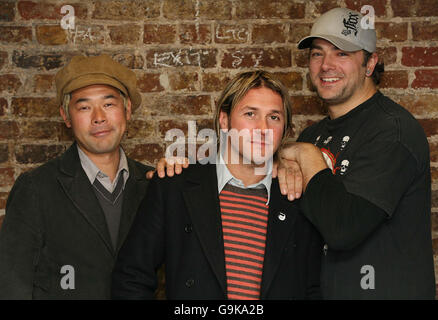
column 378, row 69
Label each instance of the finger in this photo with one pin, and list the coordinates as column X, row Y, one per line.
column 178, row 168
column 274, row 169
column 290, row 181
column 170, row 164
column 282, row 180
column 150, row 174
column 185, row 163
column 161, row 167
column 298, row 179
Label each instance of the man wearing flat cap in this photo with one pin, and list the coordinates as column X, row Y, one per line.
column 366, row 171
column 66, row 220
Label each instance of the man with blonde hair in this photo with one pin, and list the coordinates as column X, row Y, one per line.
column 222, row 230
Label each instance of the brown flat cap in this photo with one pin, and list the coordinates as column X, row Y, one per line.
column 85, row 71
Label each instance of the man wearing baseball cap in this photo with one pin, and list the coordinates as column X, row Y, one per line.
column 366, row 171
column 66, row 220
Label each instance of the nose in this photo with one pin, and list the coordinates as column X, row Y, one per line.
column 99, row 116
column 327, row 62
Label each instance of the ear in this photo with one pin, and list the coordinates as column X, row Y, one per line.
column 65, row 117
column 128, row 109
column 371, row 64
column 223, row 120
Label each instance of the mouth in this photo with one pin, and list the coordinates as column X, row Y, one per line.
column 329, row 80
column 100, row 133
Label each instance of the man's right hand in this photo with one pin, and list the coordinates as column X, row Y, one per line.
column 169, row 167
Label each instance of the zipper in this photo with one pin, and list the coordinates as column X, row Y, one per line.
column 325, row 249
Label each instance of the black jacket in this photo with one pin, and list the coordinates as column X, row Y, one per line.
column 179, row 224
column 53, row 219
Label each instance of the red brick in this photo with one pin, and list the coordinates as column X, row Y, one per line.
column 146, row 153
column 34, row 107
column 414, row 8
column 3, row 58
column 425, row 30
column 130, row 10
column 292, row 80
column 47, row 10
column 187, row 81
column 204, row 58
column 297, row 31
column 166, row 125
column 6, row 177
column 214, row 9
column 214, row 81
column 394, row 79
column 425, row 79
column 28, row 153
column 301, row 58
column 195, row 33
column 307, row 105
column 257, row 57
column 394, row 32
column 124, row 34
column 159, row 33
column 51, row 35
column 129, row 60
column 430, row 126
column 417, row 104
column 15, row 34
column 139, row 129
column 378, row 5
column 231, row 33
column 420, row 56
column 41, row 61
column 3, row 200
column 433, row 146
column 7, row 11
column 9, row 83
column 3, row 106
column 88, row 34
column 149, row 82
column 322, row 6
column 44, row 83
column 262, row 9
column 8, row 130
column 39, row 129
column 181, row 10
column 269, row 33
column 191, row 105
column 181, row 105
column 387, row 55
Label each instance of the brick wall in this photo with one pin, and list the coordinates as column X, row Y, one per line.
column 183, row 53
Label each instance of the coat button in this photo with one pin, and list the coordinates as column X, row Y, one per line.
column 190, row 283
column 188, row 228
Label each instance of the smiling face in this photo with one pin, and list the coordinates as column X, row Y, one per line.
column 98, row 118
column 260, row 113
column 338, row 76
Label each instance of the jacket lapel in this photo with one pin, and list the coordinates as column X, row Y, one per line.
column 79, row 190
column 281, row 219
column 134, row 192
column 202, row 202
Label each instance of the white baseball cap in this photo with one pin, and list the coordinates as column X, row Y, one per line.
column 342, row 27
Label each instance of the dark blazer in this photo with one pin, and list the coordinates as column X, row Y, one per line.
column 53, row 219
column 179, row 224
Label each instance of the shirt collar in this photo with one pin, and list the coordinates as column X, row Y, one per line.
column 93, row 172
column 224, row 176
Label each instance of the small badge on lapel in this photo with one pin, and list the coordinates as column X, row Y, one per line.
column 281, row 216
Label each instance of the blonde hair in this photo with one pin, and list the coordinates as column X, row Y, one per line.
column 239, row 86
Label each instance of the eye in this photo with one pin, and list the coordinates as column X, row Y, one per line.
column 275, row 117
column 342, row 54
column 315, row 54
column 250, row 114
column 83, row 107
column 109, row 104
